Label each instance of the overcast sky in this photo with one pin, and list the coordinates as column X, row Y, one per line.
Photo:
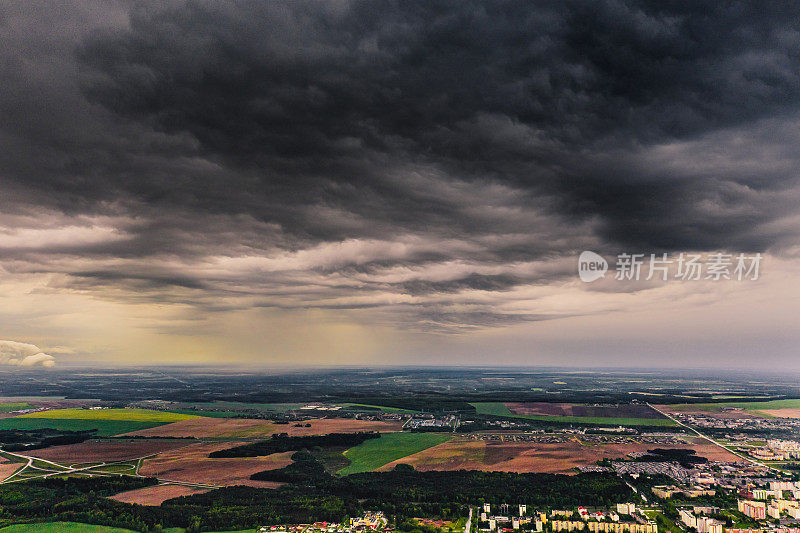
column 305, row 183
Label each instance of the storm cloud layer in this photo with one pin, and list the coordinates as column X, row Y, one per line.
column 428, row 165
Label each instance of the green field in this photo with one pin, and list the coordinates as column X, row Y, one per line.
column 74, row 527
column 7, row 407
column 793, row 403
column 126, row 415
column 500, row 409
column 104, row 428
column 374, row 453
column 65, row 527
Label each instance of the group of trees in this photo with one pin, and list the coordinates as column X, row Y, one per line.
column 283, row 443
column 17, row 440
column 78, row 500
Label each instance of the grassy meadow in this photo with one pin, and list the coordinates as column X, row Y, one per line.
column 374, row 453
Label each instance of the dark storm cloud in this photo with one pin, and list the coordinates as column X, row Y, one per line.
column 446, row 147
column 319, row 100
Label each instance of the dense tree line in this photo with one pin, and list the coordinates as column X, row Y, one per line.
column 305, row 468
column 76, row 499
column 284, row 443
column 686, row 457
column 17, row 440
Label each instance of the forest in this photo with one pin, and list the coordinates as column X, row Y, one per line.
column 283, row 443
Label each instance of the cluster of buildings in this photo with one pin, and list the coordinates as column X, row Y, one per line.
column 371, row 521
column 582, row 519
column 744, row 423
column 760, row 503
column 773, row 509
column 449, row 422
column 703, row 524
column 668, row 491
column 776, row 450
column 776, row 530
column 605, row 527
column 504, row 521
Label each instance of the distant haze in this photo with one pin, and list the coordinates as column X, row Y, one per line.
column 380, row 183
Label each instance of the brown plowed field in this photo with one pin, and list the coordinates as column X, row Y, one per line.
column 156, row 495
column 782, row 413
column 571, row 409
column 7, row 468
column 465, row 454
column 116, row 450
column 238, row 428
column 192, row 464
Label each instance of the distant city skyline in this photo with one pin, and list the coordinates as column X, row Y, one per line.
column 354, row 183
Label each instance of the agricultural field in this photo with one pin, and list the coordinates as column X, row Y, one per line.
column 28, row 467
column 62, row 527
column 210, row 414
column 239, row 428
column 623, row 415
column 241, row 407
column 208, row 427
column 191, row 464
column 374, row 453
column 106, row 422
column 7, row 407
column 74, row 527
column 127, row 415
column 321, row 426
column 771, row 408
column 8, row 467
column 462, row 453
column 156, row 494
column 103, row 428
column 107, row 450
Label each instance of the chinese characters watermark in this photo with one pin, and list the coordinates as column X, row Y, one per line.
column 684, row 267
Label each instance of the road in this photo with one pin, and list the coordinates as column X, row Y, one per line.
column 634, row 489
column 709, row 439
column 468, row 525
column 65, row 469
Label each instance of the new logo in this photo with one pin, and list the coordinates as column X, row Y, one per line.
column 591, row 266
